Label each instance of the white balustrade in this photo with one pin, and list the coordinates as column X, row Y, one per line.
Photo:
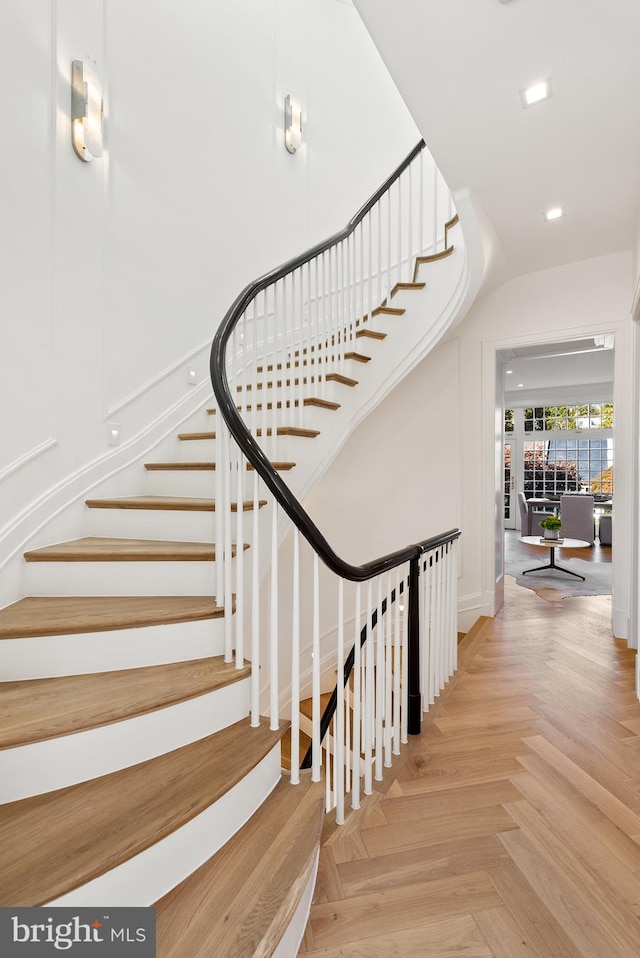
column 294, row 333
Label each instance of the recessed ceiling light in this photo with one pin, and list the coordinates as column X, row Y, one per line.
column 509, row 372
column 520, row 385
column 535, row 93
column 554, row 214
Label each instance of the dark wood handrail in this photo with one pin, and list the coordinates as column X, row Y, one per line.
column 251, row 449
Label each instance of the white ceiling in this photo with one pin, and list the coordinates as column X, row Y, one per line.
column 460, row 66
column 577, row 371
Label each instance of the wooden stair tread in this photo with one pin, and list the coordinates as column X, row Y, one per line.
column 358, row 357
column 186, row 436
column 281, row 431
column 321, row 403
column 339, row 378
column 370, row 334
column 400, row 286
column 203, row 466
column 388, row 311
column 305, row 742
column 104, row 549
column 241, row 901
column 71, row 615
column 278, row 466
column 169, row 503
column 39, row 709
column 55, row 842
column 306, row 705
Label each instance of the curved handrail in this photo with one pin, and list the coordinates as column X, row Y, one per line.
column 251, row 449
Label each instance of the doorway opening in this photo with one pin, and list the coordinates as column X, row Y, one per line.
column 558, row 428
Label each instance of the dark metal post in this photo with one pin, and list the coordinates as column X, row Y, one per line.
column 414, row 717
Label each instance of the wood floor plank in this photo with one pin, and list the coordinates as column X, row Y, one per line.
column 501, row 932
column 544, row 936
column 592, row 774
column 424, row 863
column 551, row 789
column 407, row 808
column 457, row 937
column 564, row 900
column 462, row 824
column 399, row 909
column 587, row 856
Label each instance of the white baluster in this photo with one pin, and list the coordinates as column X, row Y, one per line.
column 370, row 278
column 379, row 682
column 357, row 700
column 399, row 226
column 379, row 257
column 389, row 281
column 404, row 643
column 279, row 316
column 434, row 211
column 388, row 673
column 409, row 224
column 398, row 665
column 226, row 554
column 264, row 420
column 273, row 630
column 431, row 625
column 454, row 601
column 421, row 206
column 315, row 674
column 339, row 719
column 295, row 662
column 240, row 561
column 255, row 607
column 438, row 627
column 369, row 712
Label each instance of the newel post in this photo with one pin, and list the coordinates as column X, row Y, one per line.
column 414, row 717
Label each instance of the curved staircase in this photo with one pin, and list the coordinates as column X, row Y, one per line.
column 129, row 769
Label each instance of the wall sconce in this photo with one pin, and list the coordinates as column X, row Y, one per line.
column 86, row 111
column 292, row 124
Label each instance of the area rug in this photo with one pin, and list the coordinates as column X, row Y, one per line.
column 555, row 586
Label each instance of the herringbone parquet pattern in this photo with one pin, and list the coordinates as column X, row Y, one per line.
column 513, row 828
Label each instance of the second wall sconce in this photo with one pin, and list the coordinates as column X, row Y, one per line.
column 292, row 124
column 86, row 111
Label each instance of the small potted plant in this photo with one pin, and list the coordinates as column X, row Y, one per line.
column 551, row 526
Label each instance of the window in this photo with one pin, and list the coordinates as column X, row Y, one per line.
column 566, row 448
column 563, row 418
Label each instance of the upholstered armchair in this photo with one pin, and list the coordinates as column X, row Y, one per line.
column 576, row 513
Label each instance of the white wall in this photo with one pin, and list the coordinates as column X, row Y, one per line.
column 425, row 459
column 116, row 273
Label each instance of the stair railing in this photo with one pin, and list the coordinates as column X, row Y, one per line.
column 281, row 347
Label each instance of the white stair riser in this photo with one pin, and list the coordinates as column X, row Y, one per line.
column 148, row 876
column 45, row 766
column 151, row 524
column 189, row 482
column 120, row 578
column 309, row 417
column 45, row 656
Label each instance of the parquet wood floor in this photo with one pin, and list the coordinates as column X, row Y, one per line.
column 512, row 829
